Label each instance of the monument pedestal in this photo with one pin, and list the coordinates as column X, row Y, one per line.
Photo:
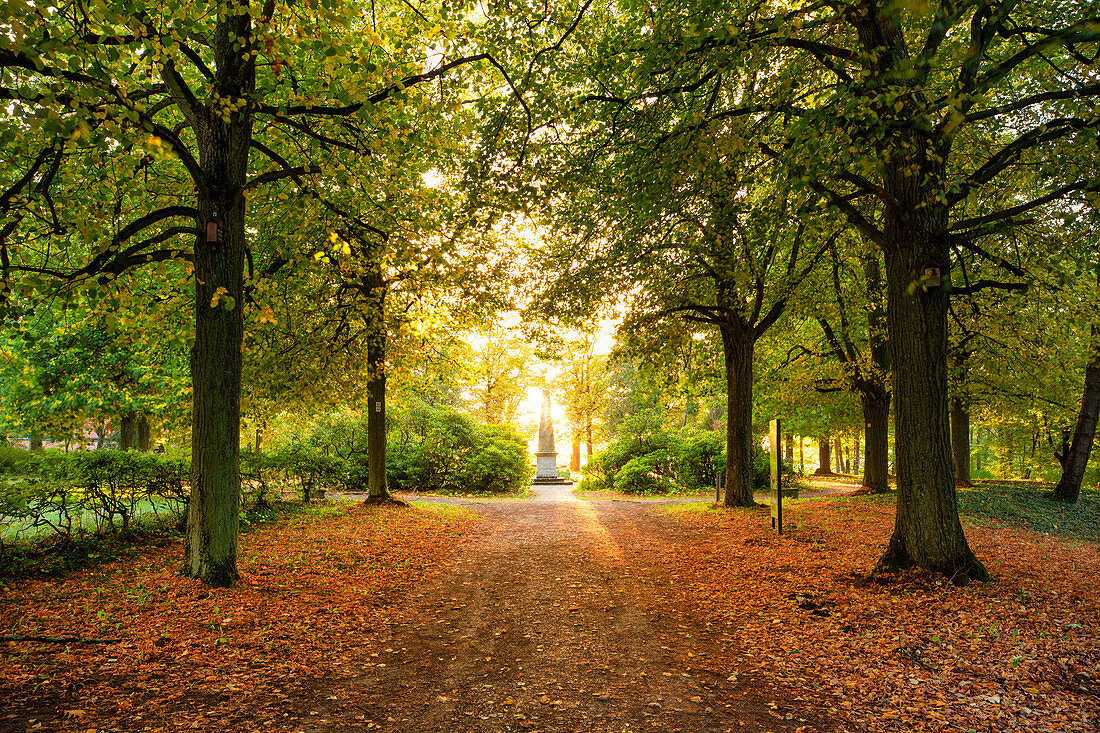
column 546, row 465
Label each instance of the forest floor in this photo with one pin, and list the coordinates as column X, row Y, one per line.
column 558, row 614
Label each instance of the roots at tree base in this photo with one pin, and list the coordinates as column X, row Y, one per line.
column 960, row 572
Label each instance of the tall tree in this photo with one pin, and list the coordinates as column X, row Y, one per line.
column 223, row 101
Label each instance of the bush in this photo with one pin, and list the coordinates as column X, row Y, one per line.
column 449, row 453
column 663, row 461
column 14, row 460
column 68, row 495
column 312, row 469
column 646, row 474
column 699, row 458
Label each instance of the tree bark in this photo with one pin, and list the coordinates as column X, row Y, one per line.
column 927, row 532
column 127, row 431
column 960, row 441
column 1076, row 457
column 210, row 543
column 838, row 447
column 143, row 432
column 824, row 457
column 737, row 347
column 788, row 449
column 876, row 440
column 1068, row 488
column 575, row 454
column 375, row 288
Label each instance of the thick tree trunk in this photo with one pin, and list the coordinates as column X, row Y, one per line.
column 927, row 532
column 960, row 440
column 824, row 457
column 575, row 454
column 128, row 431
column 838, row 448
column 210, row 542
column 143, row 433
column 737, row 348
column 1076, row 457
column 876, row 441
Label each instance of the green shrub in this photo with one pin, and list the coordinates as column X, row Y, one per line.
column 498, row 464
column 447, row 452
column 699, row 457
column 646, row 474
column 14, row 460
column 70, row 494
column 312, row 469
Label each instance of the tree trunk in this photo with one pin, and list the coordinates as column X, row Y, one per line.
column 927, row 532
column 101, row 434
column 737, row 348
column 575, row 454
column 876, row 441
column 588, row 436
column 838, row 448
column 824, row 457
column 143, row 432
column 127, row 431
column 801, row 454
column 1077, row 457
column 855, row 453
column 259, row 445
column 375, row 288
column 960, row 441
column 210, row 542
column 788, row 449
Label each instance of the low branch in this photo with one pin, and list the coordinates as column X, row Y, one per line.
column 986, row 284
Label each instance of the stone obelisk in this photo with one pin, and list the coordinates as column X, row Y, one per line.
column 546, row 457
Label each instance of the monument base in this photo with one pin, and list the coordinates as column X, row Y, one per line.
column 546, row 465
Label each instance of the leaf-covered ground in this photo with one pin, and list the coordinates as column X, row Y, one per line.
column 566, row 616
column 1021, row 653
column 191, row 657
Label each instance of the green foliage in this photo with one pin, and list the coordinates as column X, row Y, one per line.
column 14, row 460
column 1027, row 504
column 449, row 453
column 646, row 474
column 650, row 459
column 311, row 468
column 64, row 497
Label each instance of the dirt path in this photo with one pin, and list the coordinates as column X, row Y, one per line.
column 551, row 624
